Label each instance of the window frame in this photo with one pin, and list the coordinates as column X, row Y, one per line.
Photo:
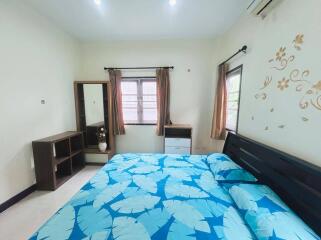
column 230, row 73
column 139, row 81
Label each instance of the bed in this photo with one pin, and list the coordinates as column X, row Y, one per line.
column 185, row 197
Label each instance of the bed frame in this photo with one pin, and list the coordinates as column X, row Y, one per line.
column 297, row 182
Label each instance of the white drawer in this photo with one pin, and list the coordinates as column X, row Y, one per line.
column 177, row 150
column 178, row 142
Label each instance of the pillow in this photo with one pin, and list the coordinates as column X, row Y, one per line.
column 216, row 157
column 267, row 215
column 224, row 169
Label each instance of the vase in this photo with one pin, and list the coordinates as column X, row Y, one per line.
column 102, row 146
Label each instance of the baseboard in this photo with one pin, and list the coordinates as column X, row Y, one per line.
column 95, row 164
column 17, row 198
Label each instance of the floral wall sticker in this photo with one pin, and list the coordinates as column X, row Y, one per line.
column 283, row 84
column 281, row 60
column 298, row 41
column 263, row 95
column 297, row 79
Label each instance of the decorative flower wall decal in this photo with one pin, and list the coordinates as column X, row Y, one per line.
column 316, row 102
column 280, row 54
column 262, row 96
column 317, row 86
column 281, row 59
column 283, row 84
column 297, row 78
column 267, row 82
column 298, row 41
column 267, row 128
column 312, row 94
column 284, row 62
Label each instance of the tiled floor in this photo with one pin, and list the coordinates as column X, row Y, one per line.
column 24, row 218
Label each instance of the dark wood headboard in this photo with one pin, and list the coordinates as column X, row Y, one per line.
column 297, row 182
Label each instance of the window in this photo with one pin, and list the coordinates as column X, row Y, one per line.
column 233, row 84
column 139, row 101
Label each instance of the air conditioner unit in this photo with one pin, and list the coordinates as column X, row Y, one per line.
column 259, row 7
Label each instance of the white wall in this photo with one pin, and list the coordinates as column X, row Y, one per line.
column 191, row 92
column 264, row 38
column 37, row 61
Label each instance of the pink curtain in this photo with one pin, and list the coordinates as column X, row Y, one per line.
column 117, row 105
column 219, row 116
column 163, row 91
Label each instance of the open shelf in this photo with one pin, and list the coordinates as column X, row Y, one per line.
column 61, row 160
column 75, row 153
column 78, row 162
column 172, row 132
column 62, row 148
column 57, row 159
column 63, row 171
column 76, row 143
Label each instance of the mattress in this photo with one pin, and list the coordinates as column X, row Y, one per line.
column 149, row 196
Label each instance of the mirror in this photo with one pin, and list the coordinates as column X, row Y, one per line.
column 94, row 112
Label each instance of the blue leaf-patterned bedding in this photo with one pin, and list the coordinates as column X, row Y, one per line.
column 226, row 170
column 267, row 215
column 149, row 196
column 154, row 196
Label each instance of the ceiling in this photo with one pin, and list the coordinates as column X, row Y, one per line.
column 141, row 19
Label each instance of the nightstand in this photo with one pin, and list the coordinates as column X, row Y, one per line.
column 178, row 139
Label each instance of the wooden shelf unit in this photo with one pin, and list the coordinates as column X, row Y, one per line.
column 57, row 158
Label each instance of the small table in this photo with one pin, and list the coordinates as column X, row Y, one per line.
column 178, row 139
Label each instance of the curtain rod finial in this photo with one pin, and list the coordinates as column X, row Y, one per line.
column 244, row 48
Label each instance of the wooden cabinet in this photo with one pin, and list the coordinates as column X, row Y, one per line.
column 178, row 139
column 57, row 158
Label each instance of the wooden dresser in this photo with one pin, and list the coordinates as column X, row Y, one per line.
column 57, row 158
column 178, row 139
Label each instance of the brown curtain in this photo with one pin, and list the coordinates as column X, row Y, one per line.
column 117, row 105
column 219, row 116
column 163, row 116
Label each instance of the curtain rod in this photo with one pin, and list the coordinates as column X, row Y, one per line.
column 243, row 49
column 129, row 68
